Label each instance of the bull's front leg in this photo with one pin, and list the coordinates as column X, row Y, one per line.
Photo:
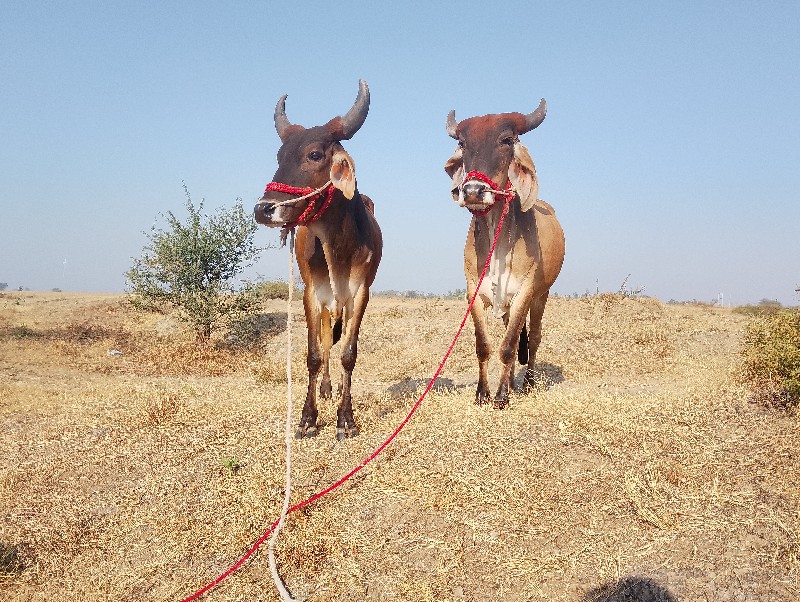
column 483, row 349
column 314, row 360
column 508, row 348
column 345, row 420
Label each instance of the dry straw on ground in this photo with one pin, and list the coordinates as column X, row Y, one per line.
column 139, row 468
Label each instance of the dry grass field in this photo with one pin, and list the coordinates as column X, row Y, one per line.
column 638, row 470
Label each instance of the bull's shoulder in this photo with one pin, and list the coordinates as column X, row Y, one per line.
column 368, row 203
column 544, row 207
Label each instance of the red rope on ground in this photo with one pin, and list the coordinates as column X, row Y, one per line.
column 383, row 446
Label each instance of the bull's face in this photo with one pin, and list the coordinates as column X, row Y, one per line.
column 490, row 145
column 311, row 158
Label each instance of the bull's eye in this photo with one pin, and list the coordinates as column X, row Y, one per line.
column 315, row 155
column 461, row 144
column 508, row 141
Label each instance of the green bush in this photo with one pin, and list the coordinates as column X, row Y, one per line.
column 771, row 357
column 194, row 267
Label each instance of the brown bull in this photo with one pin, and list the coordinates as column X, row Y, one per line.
column 489, row 162
column 339, row 245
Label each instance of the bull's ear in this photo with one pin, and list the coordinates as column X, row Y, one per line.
column 455, row 169
column 522, row 174
column 455, row 166
column 343, row 173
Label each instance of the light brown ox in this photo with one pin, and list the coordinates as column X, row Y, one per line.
column 338, row 247
column 530, row 248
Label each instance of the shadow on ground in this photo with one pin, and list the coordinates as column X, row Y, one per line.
column 630, row 589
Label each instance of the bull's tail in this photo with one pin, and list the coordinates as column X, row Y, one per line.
column 337, row 331
column 522, row 349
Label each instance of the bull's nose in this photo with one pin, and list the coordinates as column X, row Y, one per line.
column 473, row 190
column 263, row 212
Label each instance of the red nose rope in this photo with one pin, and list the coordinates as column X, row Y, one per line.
column 495, row 189
column 391, row 437
column 306, row 217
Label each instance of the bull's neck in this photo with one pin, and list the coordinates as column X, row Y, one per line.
column 486, row 225
column 338, row 221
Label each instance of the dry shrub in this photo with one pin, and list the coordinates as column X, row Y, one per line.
column 163, row 407
column 771, row 358
column 188, row 358
column 277, row 289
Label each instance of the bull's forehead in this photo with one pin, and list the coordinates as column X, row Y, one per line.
column 489, row 126
column 298, row 137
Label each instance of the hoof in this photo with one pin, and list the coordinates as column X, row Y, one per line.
column 501, row 404
column 482, row 398
column 348, row 432
column 305, row 432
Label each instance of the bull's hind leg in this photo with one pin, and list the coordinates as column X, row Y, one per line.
column 514, row 321
column 326, row 337
column 534, row 337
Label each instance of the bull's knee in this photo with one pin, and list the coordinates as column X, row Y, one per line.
column 314, row 360
column 349, row 356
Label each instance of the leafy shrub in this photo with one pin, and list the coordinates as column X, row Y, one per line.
column 771, row 357
column 193, row 267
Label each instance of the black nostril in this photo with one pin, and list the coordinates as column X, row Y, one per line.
column 263, row 209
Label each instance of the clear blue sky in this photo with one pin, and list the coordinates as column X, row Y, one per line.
column 671, row 148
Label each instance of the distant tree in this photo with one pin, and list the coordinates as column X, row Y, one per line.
column 3, row 286
column 193, row 267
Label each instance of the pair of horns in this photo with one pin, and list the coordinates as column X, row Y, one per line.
column 347, row 125
column 532, row 120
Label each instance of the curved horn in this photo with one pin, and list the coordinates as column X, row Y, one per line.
column 281, row 121
column 532, row 120
column 354, row 118
column 451, row 124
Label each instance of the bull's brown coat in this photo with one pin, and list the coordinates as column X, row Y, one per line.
column 338, row 253
column 530, row 247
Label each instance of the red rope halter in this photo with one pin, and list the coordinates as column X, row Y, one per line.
column 308, row 216
column 495, row 189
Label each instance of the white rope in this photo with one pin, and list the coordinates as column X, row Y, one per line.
column 285, row 595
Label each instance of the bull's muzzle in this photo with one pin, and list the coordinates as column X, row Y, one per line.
column 475, row 195
column 264, row 213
